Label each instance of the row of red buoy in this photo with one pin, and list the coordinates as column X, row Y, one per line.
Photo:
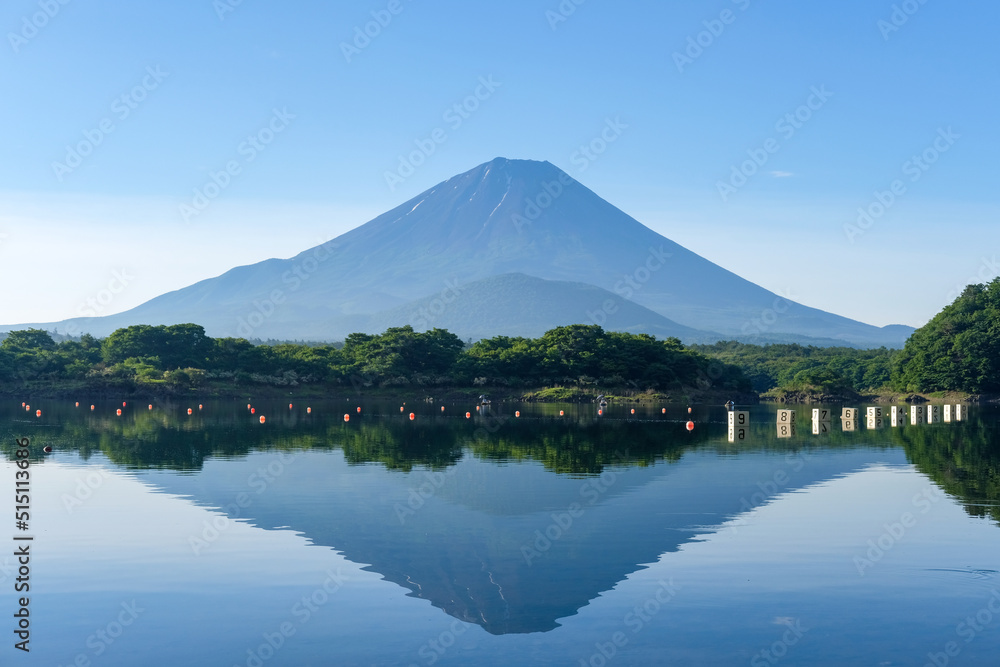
column 347, row 417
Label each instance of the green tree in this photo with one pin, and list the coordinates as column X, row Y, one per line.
column 959, row 349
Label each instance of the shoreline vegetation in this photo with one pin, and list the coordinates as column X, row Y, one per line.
column 955, row 358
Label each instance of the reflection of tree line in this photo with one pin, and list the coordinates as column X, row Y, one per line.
column 963, row 458
column 155, row 440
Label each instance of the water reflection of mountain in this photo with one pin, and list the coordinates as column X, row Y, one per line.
column 471, row 543
column 642, row 489
column 466, row 548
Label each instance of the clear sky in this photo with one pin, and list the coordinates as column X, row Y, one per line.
column 115, row 113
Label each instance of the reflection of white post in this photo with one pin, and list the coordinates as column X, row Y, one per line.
column 737, row 434
column 739, row 423
column 820, row 428
column 947, row 413
column 874, row 422
column 898, row 416
column 848, row 425
column 786, row 416
column 786, row 429
column 917, row 413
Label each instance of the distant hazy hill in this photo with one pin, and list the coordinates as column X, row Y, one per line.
column 503, row 217
column 515, row 304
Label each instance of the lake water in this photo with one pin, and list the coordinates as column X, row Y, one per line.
column 162, row 538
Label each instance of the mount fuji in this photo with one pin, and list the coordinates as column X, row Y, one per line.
column 512, row 247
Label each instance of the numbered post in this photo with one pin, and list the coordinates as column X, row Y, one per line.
column 821, row 415
column 851, row 414
column 786, row 416
column 917, row 414
column 933, row 414
column 898, row 416
column 960, row 413
column 947, row 414
column 739, row 418
column 739, row 425
column 875, row 412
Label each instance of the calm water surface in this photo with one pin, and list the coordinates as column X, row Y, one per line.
column 163, row 538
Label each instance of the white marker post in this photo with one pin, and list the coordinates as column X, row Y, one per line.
column 739, row 425
column 947, row 414
column 960, row 412
column 898, row 416
column 917, row 414
column 786, row 417
column 850, row 413
column 821, row 415
column 933, row 414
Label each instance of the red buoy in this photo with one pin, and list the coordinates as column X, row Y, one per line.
column 690, row 426
column 119, row 412
column 517, row 413
column 347, row 417
column 190, row 411
column 38, row 413
column 359, row 409
column 468, row 415
column 253, row 410
column 561, row 413
column 309, row 410
column 262, row 419
column 412, row 416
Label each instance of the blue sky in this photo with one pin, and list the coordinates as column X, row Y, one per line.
column 162, row 96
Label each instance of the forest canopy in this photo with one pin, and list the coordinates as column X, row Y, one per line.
column 183, row 356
